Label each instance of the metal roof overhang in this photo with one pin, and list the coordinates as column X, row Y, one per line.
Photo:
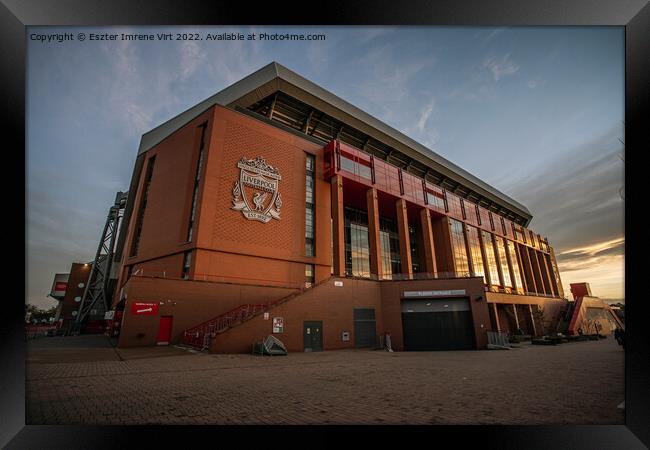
column 273, row 78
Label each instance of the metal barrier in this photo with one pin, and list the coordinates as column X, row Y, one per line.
column 498, row 338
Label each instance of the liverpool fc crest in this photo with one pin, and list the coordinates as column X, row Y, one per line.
column 256, row 193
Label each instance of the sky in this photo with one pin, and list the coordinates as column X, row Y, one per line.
column 536, row 112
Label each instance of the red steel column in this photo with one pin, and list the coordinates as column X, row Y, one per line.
column 514, row 308
column 404, row 241
column 532, row 319
column 373, row 233
column 522, row 270
column 546, row 273
column 496, row 316
column 427, row 239
column 538, row 270
column 338, row 225
column 560, row 289
column 529, row 269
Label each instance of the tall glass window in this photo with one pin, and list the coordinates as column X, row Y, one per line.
column 197, row 179
column 187, row 259
column 475, row 251
column 309, row 210
column 309, row 275
column 135, row 244
column 391, row 262
column 332, row 246
column 414, row 240
column 503, row 261
column 491, row 260
column 357, row 243
column 459, row 249
column 515, row 264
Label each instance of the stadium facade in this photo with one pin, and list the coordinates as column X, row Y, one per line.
column 276, row 208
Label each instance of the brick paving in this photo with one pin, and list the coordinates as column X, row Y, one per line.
column 572, row 383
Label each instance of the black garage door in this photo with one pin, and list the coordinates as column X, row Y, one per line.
column 437, row 324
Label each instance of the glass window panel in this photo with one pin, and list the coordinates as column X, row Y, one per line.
column 475, row 251
column 415, row 248
column 390, row 251
column 491, row 259
column 357, row 245
column 515, row 265
column 435, row 201
column 309, row 275
column 459, row 249
column 309, row 206
column 503, row 261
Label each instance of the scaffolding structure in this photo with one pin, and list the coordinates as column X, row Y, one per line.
column 96, row 295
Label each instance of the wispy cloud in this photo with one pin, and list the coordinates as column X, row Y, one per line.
column 575, row 201
column 424, row 116
column 595, row 249
column 492, row 34
column 501, row 67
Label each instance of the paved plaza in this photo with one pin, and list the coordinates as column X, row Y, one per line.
column 84, row 380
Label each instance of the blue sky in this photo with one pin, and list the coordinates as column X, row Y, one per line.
column 537, row 112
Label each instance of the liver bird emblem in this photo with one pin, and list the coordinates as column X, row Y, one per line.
column 258, row 200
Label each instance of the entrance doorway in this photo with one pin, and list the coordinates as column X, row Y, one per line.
column 165, row 330
column 313, row 336
column 437, row 324
column 365, row 334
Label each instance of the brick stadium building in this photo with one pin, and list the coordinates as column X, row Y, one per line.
column 275, row 207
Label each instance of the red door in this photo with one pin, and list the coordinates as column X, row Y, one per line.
column 165, row 330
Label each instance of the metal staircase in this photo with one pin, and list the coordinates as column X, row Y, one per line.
column 565, row 318
column 200, row 335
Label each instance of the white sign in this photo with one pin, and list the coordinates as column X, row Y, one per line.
column 266, row 316
column 338, row 283
column 256, row 193
column 109, row 315
column 278, row 324
column 409, row 294
column 345, row 336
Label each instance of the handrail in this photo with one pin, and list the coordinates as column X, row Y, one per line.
column 414, row 276
column 199, row 336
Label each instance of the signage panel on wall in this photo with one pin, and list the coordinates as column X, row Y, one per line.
column 60, row 285
column 445, row 293
column 278, row 324
column 144, row 309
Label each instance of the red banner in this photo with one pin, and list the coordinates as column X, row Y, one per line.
column 144, row 309
column 60, row 286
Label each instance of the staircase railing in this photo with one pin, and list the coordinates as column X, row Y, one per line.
column 200, row 335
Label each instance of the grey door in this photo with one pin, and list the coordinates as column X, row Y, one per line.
column 364, row 327
column 313, row 336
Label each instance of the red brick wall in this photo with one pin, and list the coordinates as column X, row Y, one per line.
column 334, row 306
column 274, row 250
column 328, row 303
column 189, row 302
column 164, row 229
column 226, row 241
